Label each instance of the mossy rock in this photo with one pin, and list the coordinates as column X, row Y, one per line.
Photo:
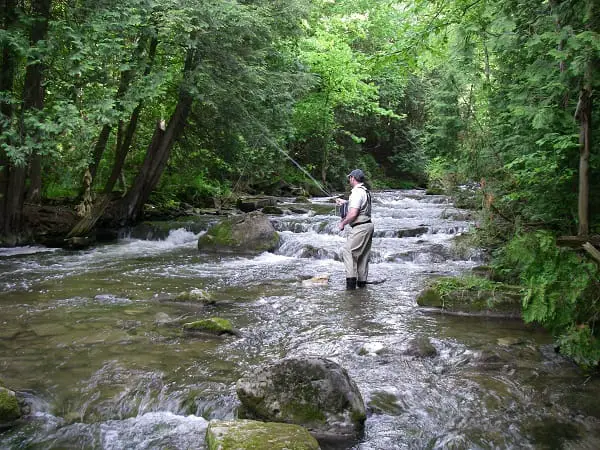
column 9, row 407
column 255, row 435
column 274, row 210
column 472, row 295
column 249, row 204
column 214, row 325
column 249, row 233
column 411, row 232
column 195, row 295
column 315, row 393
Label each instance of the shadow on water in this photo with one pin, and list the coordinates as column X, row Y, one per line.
column 93, row 340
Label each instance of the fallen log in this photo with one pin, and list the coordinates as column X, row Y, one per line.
column 87, row 223
column 592, row 251
column 577, row 241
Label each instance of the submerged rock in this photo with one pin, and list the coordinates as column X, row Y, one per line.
column 195, row 295
column 421, row 347
column 313, row 392
column 249, row 233
column 318, row 280
column 386, row 403
column 214, row 325
column 250, row 434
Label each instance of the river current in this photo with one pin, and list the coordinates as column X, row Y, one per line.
column 91, row 340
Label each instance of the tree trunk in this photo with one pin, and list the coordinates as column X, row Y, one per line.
column 124, row 83
column 122, row 149
column 8, row 18
column 99, row 148
column 158, row 151
column 33, row 91
column 124, row 140
column 124, row 144
column 584, row 114
column 155, row 162
column 14, row 176
column 34, row 192
column 13, row 211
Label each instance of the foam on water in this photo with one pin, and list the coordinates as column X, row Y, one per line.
column 154, row 430
column 26, row 250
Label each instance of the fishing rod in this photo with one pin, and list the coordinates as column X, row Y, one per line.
column 283, row 152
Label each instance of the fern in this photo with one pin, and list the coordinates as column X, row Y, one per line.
column 560, row 292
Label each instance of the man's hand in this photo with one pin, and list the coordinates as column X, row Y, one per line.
column 340, row 201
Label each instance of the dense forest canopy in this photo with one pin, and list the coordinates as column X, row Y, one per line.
column 192, row 101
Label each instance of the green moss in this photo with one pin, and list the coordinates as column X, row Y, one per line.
column 220, row 234
column 306, row 413
column 430, row 297
column 253, row 435
column 214, row 325
column 231, row 233
column 471, row 294
column 9, row 406
column 358, row 416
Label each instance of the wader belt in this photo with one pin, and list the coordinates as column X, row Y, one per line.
column 360, row 223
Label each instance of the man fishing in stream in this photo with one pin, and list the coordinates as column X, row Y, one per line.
column 357, row 249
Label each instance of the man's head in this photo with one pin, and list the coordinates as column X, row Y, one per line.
column 358, row 176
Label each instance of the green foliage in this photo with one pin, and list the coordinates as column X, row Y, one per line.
column 438, row 170
column 561, row 292
column 447, row 285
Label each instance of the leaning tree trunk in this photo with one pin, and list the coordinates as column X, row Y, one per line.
column 158, row 151
column 124, row 85
column 155, row 162
column 125, row 138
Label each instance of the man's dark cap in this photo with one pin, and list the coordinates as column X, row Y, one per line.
column 358, row 175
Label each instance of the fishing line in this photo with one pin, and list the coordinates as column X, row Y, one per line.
column 283, row 152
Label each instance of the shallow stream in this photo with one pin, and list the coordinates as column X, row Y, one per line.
column 92, row 339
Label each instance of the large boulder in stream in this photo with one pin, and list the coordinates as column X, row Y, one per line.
column 315, row 393
column 254, row 435
column 473, row 296
column 252, row 232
